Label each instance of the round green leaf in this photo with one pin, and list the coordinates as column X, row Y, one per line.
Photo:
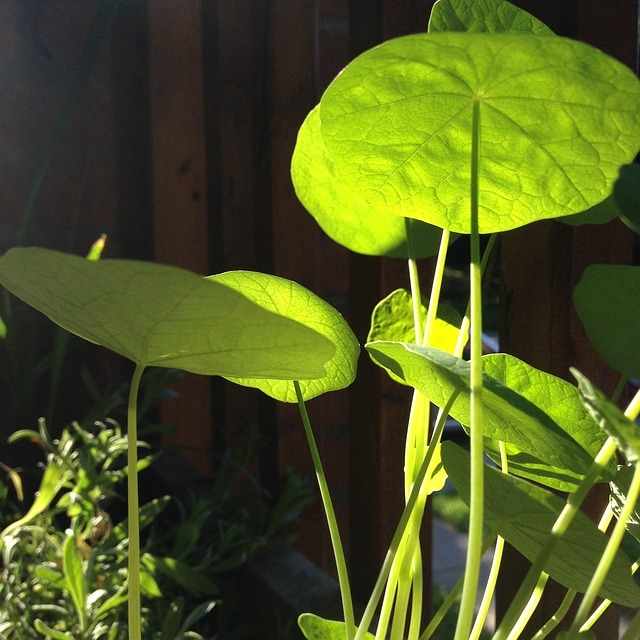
column 342, row 215
column 163, row 316
column 291, row 300
column 524, row 515
column 607, row 299
column 542, row 441
column 493, row 16
column 555, row 119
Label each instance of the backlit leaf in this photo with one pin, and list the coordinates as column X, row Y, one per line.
column 619, row 490
column 164, row 316
column 544, row 442
column 492, row 16
column 556, row 119
column 524, row 514
column 291, row 300
column 345, row 217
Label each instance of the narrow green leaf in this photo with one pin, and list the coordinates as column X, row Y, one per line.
column 51, row 634
column 184, row 575
column 72, row 569
column 293, row 301
column 157, row 315
column 491, row 16
column 607, row 300
column 626, row 193
column 316, row 628
column 173, row 620
column 543, row 442
column 52, row 481
column 619, row 490
column 610, row 418
column 524, row 514
column 341, row 214
column 556, row 119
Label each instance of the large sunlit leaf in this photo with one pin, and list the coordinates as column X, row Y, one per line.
column 559, row 400
column 164, row 316
column 291, row 300
column 607, row 299
column 342, row 214
column 524, row 514
column 555, row 118
column 544, row 442
column 316, row 628
column 492, row 16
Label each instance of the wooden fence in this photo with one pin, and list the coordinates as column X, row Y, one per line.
column 178, row 143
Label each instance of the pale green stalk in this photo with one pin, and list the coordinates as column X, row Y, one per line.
column 417, row 489
column 617, row 534
column 609, row 554
column 476, row 520
column 133, row 510
column 338, row 551
column 557, row 617
column 492, row 580
column 529, row 608
column 452, row 596
column 559, row 528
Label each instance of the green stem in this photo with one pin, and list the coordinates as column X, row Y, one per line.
column 476, row 519
column 609, row 554
column 416, row 491
column 338, row 551
column 559, row 528
column 135, row 628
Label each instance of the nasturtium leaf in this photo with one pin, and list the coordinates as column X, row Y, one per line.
column 626, row 193
column 560, row 400
column 316, row 628
column 555, row 119
column 607, row 299
column 291, row 300
column 610, row 418
column 619, row 490
column 537, row 445
column 392, row 319
column 164, row 316
column 342, row 214
column 524, row 515
column 492, row 16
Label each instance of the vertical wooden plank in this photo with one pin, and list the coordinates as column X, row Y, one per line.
column 543, row 262
column 379, row 408
column 179, row 186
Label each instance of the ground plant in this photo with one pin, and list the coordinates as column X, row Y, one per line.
column 485, row 123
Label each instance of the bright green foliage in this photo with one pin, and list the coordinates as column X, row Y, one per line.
column 342, row 214
column 626, row 193
column 317, row 628
column 393, row 320
column 611, row 420
column 524, row 514
column 555, row 118
column 482, row 16
column 157, row 315
column 290, row 300
column 607, row 300
column 549, row 435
